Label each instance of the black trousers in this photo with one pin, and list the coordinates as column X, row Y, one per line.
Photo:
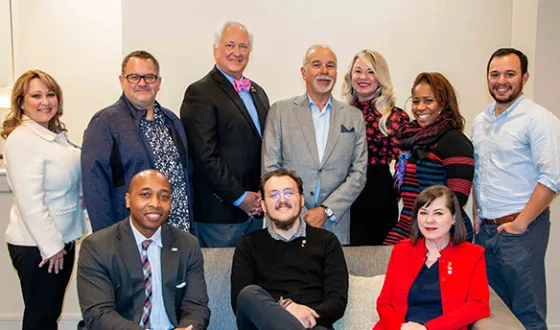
column 43, row 293
column 376, row 210
column 256, row 309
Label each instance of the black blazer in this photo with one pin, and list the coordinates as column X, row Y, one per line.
column 111, row 282
column 224, row 144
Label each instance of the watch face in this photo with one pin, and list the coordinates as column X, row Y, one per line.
column 329, row 212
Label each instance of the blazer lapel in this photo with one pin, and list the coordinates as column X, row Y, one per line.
column 227, row 87
column 169, row 267
column 302, row 113
column 129, row 251
column 337, row 118
column 261, row 108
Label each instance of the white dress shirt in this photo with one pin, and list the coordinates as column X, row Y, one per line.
column 44, row 174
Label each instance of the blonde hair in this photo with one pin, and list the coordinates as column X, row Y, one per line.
column 14, row 118
column 384, row 97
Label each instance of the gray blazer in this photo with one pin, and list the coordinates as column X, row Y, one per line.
column 289, row 142
column 111, row 282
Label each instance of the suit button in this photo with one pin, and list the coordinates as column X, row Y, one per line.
column 320, row 171
column 312, row 193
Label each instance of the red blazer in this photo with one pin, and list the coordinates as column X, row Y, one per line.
column 464, row 287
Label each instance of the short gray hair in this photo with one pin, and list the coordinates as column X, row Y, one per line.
column 220, row 31
column 312, row 48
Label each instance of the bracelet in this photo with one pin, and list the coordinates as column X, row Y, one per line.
column 285, row 302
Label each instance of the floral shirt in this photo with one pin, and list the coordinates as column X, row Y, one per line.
column 381, row 149
column 168, row 161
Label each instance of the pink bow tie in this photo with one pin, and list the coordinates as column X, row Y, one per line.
column 244, row 84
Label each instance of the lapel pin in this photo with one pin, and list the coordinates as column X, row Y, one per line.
column 174, row 249
column 303, row 243
column 449, row 268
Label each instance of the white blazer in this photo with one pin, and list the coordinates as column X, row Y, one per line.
column 43, row 171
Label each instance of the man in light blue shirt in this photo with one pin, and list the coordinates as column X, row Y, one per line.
column 142, row 273
column 517, row 174
column 323, row 140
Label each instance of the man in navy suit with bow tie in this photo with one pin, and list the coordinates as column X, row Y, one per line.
column 324, row 141
column 142, row 273
column 224, row 115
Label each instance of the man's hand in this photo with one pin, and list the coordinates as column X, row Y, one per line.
column 412, row 326
column 477, row 222
column 512, row 227
column 56, row 262
column 315, row 217
column 304, row 314
column 251, row 204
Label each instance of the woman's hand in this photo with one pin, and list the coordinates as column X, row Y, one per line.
column 412, row 326
column 56, row 262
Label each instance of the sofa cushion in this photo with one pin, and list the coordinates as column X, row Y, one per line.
column 361, row 313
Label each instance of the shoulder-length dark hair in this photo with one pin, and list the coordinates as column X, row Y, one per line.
column 425, row 198
column 444, row 93
column 21, row 87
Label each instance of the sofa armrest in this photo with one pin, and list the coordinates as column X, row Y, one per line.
column 500, row 316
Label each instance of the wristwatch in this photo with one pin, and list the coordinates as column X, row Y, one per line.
column 328, row 212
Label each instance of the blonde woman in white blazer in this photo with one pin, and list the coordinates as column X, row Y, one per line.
column 43, row 171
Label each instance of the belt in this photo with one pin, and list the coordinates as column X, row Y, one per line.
column 499, row 221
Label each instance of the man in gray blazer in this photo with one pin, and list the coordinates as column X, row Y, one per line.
column 141, row 272
column 324, row 141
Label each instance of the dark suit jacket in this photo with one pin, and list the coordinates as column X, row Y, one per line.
column 464, row 288
column 224, row 144
column 111, row 282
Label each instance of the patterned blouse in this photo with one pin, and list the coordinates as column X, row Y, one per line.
column 381, row 149
column 168, row 161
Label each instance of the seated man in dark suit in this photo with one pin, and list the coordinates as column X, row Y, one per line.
column 290, row 275
column 142, row 273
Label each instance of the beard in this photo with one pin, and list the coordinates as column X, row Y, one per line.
column 326, row 89
column 284, row 225
column 514, row 94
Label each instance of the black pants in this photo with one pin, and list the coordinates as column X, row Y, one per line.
column 43, row 293
column 375, row 211
column 256, row 309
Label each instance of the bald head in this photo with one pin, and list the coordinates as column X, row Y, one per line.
column 149, row 201
column 317, row 48
column 147, row 176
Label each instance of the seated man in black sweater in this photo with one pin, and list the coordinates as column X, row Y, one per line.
column 289, row 275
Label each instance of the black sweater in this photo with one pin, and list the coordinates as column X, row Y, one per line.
column 314, row 274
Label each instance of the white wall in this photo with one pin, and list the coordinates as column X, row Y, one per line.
column 82, row 44
column 545, row 79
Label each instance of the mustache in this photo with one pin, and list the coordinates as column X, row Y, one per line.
column 283, row 204
column 323, row 77
column 153, row 209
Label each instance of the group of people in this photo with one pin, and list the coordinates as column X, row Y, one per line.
column 316, row 168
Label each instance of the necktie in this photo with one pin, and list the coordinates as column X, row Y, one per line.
column 147, row 284
column 244, row 84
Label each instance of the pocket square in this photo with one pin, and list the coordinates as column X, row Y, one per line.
column 182, row 285
column 343, row 129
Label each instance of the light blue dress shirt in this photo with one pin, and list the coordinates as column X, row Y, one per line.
column 321, row 123
column 158, row 316
column 250, row 105
column 514, row 152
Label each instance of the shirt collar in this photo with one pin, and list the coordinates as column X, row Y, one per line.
column 312, row 104
column 299, row 233
column 229, row 78
column 139, row 238
column 38, row 129
column 492, row 108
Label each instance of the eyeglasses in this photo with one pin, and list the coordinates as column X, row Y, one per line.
column 135, row 78
column 288, row 193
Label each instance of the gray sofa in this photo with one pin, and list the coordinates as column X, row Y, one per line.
column 364, row 262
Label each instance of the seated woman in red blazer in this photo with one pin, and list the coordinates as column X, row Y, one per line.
column 435, row 279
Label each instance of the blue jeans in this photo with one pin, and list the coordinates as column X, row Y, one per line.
column 217, row 235
column 516, row 270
